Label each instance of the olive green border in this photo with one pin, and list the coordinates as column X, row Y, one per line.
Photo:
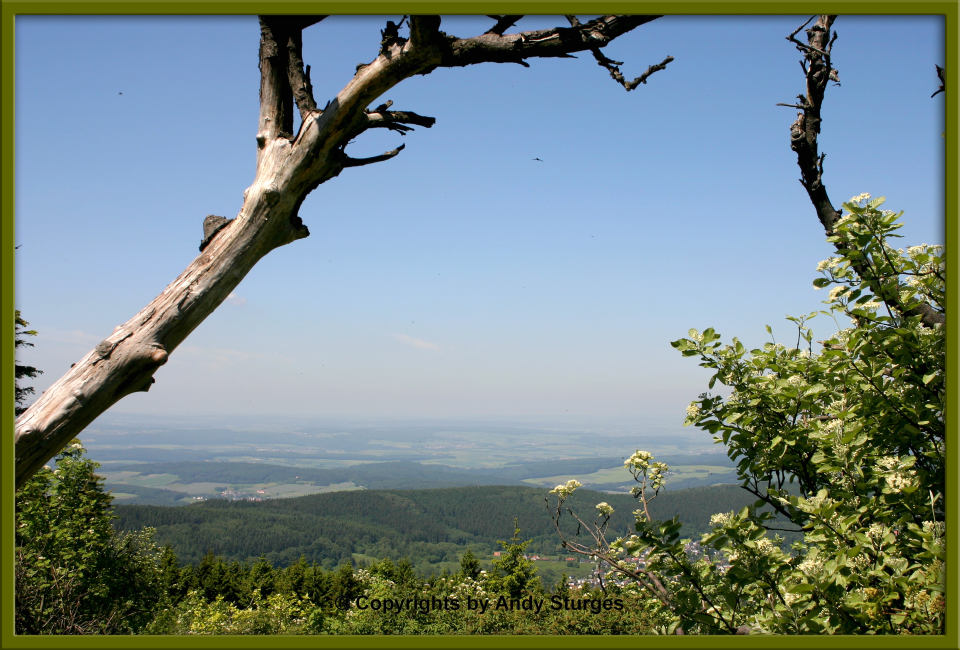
column 8, row 13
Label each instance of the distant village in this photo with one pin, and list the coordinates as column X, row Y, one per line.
column 234, row 495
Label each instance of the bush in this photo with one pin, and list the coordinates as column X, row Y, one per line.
column 74, row 574
column 843, row 441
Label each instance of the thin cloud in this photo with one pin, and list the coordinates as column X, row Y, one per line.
column 415, row 342
column 70, row 337
column 213, row 356
column 234, row 299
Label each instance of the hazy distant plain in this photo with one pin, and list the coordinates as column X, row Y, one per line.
column 141, row 456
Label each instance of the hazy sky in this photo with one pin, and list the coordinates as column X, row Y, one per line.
column 462, row 278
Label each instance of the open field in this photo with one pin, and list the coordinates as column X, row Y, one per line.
column 614, row 476
column 188, row 492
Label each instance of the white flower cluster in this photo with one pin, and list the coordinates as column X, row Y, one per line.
column 935, row 527
column 846, row 220
column 888, row 463
column 693, row 409
column 657, row 474
column 836, row 292
column 899, row 481
column 764, row 546
column 876, row 532
column 639, row 460
column 860, row 562
column 829, row 264
column 720, row 519
column 814, row 503
column 631, row 545
column 363, row 576
column 467, row 586
column 565, row 490
column 897, row 473
column 605, row 508
column 859, row 198
column 832, row 426
column 811, row 566
column 913, row 281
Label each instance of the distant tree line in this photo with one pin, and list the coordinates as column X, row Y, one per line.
column 425, row 526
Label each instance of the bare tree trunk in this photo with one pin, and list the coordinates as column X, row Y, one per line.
column 288, row 168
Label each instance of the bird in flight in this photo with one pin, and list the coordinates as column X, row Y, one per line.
column 540, row 159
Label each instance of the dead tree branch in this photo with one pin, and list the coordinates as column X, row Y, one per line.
column 424, row 30
column 613, row 67
column 347, row 161
column 804, row 133
column 942, row 82
column 289, row 167
column 503, row 24
column 555, row 42
column 600, row 550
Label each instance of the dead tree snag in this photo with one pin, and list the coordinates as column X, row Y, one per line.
column 804, row 132
column 289, row 166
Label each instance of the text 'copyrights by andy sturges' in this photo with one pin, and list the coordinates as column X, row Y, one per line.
column 481, row 605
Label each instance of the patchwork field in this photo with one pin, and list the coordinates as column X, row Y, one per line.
column 123, row 484
column 613, row 477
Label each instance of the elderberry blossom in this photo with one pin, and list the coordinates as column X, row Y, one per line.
column 565, row 490
column 639, row 460
column 605, row 508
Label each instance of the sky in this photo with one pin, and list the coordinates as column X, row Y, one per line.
column 462, row 278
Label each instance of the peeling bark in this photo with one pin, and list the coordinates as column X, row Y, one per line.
column 288, row 168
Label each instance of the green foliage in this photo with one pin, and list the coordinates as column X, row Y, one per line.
column 21, row 393
column 844, row 440
column 388, row 598
column 513, row 573
column 469, row 566
column 74, row 575
column 274, row 614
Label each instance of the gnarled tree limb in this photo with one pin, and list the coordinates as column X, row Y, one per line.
column 613, row 67
column 289, row 167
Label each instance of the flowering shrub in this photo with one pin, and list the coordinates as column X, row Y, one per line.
column 841, row 441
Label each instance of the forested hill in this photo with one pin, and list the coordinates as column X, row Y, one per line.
column 425, row 526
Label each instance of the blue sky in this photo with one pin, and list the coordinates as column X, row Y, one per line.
column 462, row 278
